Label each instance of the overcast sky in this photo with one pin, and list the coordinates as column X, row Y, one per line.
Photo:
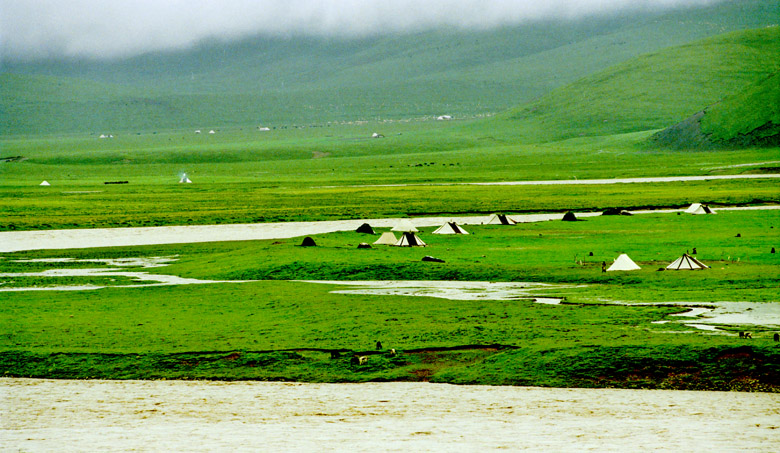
column 116, row 28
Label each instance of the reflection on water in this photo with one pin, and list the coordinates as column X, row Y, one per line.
column 139, row 278
column 176, row 415
column 452, row 290
column 707, row 315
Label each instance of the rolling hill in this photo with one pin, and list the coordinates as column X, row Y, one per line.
column 284, row 81
column 655, row 90
column 748, row 118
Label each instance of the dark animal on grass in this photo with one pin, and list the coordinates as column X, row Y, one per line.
column 745, row 335
column 378, row 345
column 432, row 259
column 777, row 337
column 359, row 360
column 362, row 360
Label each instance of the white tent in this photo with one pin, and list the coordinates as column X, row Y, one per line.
column 686, row 262
column 500, row 219
column 623, row 263
column 410, row 240
column 184, row 179
column 405, row 226
column 387, row 238
column 44, row 183
column 450, row 228
column 698, row 208
column 212, row 131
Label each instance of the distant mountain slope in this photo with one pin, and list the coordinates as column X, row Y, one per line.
column 651, row 91
column 748, row 118
column 276, row 81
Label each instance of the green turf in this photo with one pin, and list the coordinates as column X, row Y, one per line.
column 228, row 330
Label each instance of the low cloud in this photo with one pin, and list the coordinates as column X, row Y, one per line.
column 31, row 29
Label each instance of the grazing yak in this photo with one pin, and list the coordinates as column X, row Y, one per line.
column 359, row 360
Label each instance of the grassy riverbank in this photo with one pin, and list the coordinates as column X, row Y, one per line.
column 284, row 330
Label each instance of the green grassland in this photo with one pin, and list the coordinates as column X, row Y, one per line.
column 319, row 163
column 274, row 328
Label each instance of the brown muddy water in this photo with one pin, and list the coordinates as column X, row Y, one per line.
column 62, row 415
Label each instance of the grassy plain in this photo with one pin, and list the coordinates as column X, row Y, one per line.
column 243, row 176
column 274, row 328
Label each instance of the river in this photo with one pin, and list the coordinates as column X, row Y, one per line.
column 14, row 241
column 62, row 415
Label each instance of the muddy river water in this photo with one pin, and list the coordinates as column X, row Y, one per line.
column 49, row 415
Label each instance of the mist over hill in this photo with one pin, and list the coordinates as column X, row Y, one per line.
column 316, row 80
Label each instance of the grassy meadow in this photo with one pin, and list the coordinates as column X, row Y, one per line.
column 529, row 105
column 274, row 326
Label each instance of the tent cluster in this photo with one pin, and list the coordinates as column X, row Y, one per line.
column 685, row 262
column 408, row 237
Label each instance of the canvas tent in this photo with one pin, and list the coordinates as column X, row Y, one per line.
column 686, row 262
column 308, row 242
column 450, row 228
column 387, row 238
column 623, row 263
column 698, row 208
column 44, row 183
column 184, row 179
column 500, row 219
column 410, row 240
column 405, row 226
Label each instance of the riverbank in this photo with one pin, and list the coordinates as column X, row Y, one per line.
column 752, row 367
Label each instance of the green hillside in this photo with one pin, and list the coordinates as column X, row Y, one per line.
column 748, row 118
column 752, row 115
column 288, row 81
column 651, row 91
